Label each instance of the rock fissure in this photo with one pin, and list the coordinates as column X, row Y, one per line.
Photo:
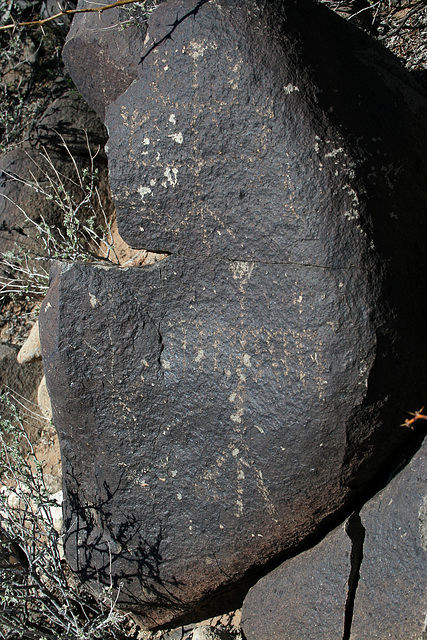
column 356, row 532
column 190, row 256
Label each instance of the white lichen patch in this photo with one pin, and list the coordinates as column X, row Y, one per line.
column 200, row 356
column 146, row 142
column 172, row 118
column 353, row 212
column 247, row 360
column 124, row 115
column 242, row 270
column 177, row 137
column 93, row 300
column 144, row 191
column 171, row 175
column 237, row 417
column 197, row 48
column 290, row 88
column 335, row 152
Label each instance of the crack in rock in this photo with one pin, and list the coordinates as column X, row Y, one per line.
column 356, row 532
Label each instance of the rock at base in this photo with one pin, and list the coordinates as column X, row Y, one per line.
column 303, row 598
column 370, row 581
column 391, row 598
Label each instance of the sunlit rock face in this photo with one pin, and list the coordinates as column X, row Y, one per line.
column 217, row 407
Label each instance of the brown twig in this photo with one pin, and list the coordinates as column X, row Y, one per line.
column 418, row 415
column 68, row 12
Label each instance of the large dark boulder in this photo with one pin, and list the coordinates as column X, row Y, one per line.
column 217, row 408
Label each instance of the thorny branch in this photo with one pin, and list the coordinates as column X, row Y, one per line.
column 418, row 415
column 69, row 12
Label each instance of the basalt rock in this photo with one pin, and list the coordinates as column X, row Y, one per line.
column 20, row 381
column 218, row 407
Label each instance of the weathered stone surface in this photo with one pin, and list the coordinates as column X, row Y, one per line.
column 181, row 395
column 215, row 407
column 391, row 598
column 69, row 120
column 21, row 379
column 305, row 597
column 102, row 57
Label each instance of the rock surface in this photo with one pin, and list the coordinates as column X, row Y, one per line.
column 214, row 408
column 253, row 136
column 367, row 584
column 391, row 598
column 305, row 597
column 68, row 120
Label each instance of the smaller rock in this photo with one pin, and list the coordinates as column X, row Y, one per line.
column 391, row 597
column 386, row 545
column 31, row 349
column 305, row 597
column 43, row 400
column 207, row 633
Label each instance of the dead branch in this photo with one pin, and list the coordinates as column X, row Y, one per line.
column 68, row 12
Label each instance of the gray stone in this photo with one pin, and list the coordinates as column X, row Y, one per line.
column 67, row 120
column 391, row 598
column 21, row 379
column 303, row 598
